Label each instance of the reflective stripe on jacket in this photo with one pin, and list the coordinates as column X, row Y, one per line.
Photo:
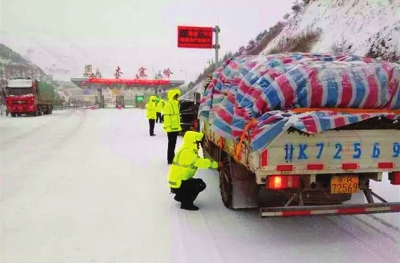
column 172, row 117
column 187, row 161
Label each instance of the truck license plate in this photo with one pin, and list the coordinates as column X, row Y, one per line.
column 344, row 184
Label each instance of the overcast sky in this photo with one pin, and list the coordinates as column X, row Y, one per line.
column 133, row 33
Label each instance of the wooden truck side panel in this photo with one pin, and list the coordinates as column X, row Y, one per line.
column 331, row 152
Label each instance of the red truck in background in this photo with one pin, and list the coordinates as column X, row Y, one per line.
column 30, row 97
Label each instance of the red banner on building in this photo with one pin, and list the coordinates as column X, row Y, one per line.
column 195, row 37
column 130, row 81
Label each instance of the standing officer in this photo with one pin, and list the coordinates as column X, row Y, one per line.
column 151, row 114
column 172, row 122
column 159, row 110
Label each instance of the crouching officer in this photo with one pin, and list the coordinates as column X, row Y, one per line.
column 183, row 169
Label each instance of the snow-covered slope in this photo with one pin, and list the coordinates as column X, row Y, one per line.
column 361, row 27
column 62, row 58
column 13, row 64
column 356, row 26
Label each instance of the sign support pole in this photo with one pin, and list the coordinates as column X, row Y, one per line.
column 216, row 46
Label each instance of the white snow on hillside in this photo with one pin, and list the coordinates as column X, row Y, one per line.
column 62, row 58
column 357, row 23
column 350, row 23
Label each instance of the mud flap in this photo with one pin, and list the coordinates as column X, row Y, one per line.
column 245, row 192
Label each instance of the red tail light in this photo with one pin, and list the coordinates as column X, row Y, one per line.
column 394, row 178
column 279, row 182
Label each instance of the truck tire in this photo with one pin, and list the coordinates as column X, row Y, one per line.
column 13, row 114
column 225, row 186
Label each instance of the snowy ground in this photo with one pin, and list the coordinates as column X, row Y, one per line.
column 90, row 186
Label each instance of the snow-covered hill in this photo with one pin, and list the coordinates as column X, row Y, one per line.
column 62, row 58
column 350, row 26
column 12, row 65
column 361, row 27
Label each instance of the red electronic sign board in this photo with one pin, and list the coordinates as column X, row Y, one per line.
column 195, row 37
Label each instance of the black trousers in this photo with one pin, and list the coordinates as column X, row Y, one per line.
column 159, row 119
column 172, row 137
column 189, row 190
column 151, row 126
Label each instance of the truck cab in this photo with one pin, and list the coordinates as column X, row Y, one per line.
column 23, row 96
column 189, row 110
column 20, row 97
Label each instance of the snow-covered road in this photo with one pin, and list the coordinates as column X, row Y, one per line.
column 90, row 186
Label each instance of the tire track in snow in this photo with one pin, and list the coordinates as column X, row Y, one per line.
column 35, row 130
column 380, row 231
column 193, row 224
column 177, row 224
column 341, row 238
column 355, row 233
column 24, row 154
column 383, row 222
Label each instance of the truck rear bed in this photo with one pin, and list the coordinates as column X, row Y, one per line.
column 331, row 152
column 294, row 124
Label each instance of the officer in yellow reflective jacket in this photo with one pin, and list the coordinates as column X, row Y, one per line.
column 151, row 113
column 159, row 109
column 183, row 169
column 172, row 121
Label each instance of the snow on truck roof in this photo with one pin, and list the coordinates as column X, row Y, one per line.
column 19, row 83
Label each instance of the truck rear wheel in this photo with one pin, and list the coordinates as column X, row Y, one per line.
column 13, row 114
column 225, row 185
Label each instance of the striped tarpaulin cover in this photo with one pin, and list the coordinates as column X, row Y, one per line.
column 266, row 87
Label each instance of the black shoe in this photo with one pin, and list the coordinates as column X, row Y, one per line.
column 191, row 207
column 152, row 135
column 176, row 198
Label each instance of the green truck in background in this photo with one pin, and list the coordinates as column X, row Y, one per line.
column 30, row 97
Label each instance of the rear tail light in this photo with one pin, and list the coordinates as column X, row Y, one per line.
column 350, row 166
column 264, row 158
column 278, row 182
column 394, row 178
column 385, row 165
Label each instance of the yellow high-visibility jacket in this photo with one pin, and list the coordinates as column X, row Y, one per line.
column 187, row 160
column 160, row 106
column 151, row 108
column 172, row 117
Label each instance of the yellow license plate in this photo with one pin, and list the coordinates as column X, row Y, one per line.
column 344, row 184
